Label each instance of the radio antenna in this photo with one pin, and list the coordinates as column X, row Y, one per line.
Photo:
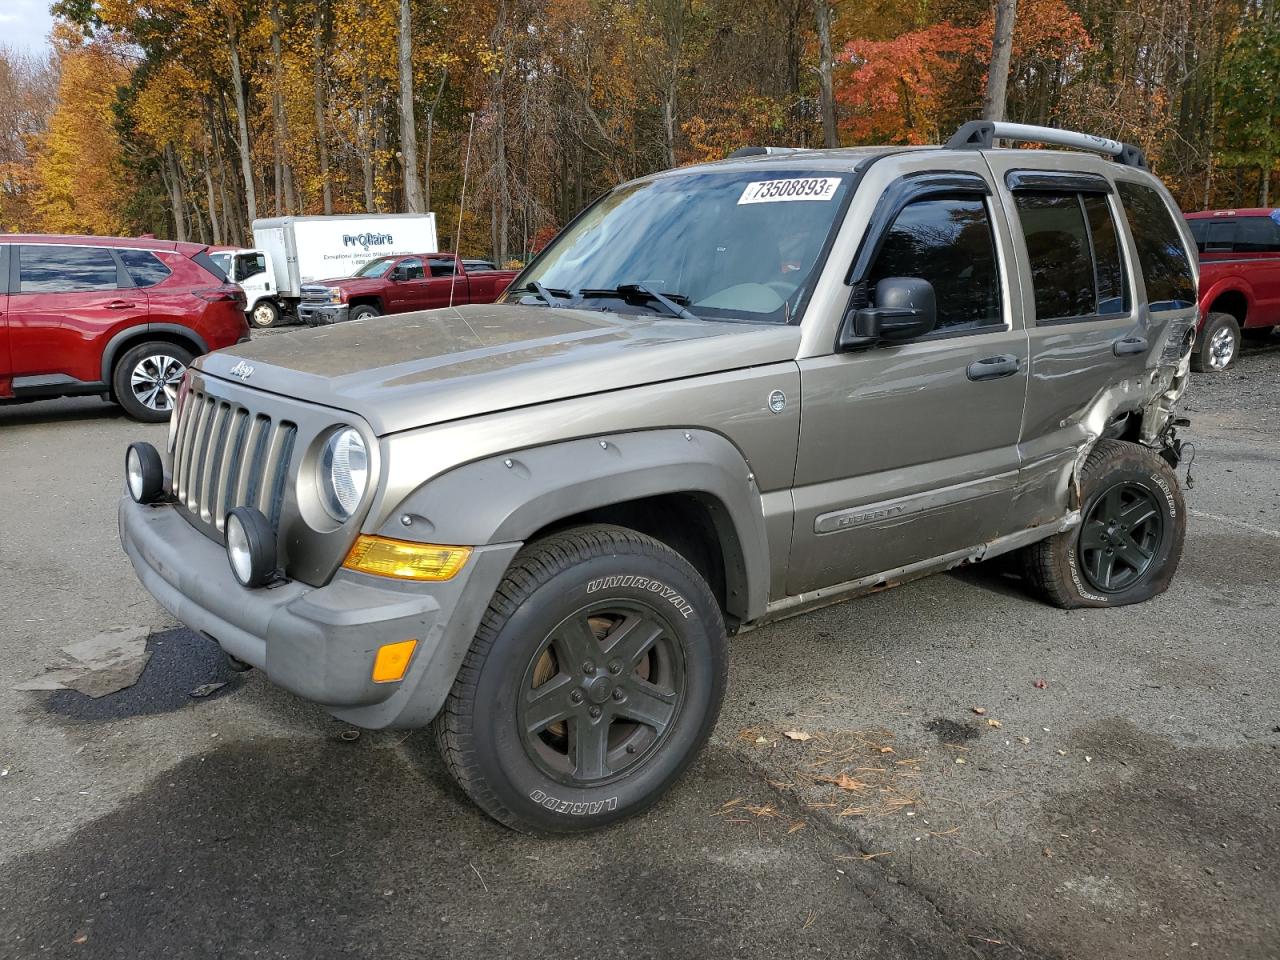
column 462, row 202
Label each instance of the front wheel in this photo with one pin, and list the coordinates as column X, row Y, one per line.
column 594, row 679
column 363, row 312
column 1129, row 541
column 264, row 314
column 1218, row 344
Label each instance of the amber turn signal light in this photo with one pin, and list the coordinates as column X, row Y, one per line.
column 404, row 559
column 392, row 661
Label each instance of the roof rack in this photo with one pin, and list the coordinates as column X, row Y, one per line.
column 761, row 151
column 980, row 135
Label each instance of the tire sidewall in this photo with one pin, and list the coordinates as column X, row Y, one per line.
column 121, row 374
column 1213, row 323
column 1158, row 480
column 536, row 798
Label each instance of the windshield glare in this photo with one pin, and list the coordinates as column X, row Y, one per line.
column 375, row 268
column 732, row 246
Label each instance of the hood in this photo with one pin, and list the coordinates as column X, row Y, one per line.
column 415, row 369
column 345, row 282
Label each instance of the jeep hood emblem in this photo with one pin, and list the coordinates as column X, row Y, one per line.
column 242, row 370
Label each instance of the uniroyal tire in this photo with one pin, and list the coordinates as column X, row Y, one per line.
column 619, row 587
column 1132, row 507
column 1218, row 345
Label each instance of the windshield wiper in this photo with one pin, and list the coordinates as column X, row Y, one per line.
column 548, row 295
column 644, row 291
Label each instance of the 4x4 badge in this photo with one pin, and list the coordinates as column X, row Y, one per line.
column 242, row 370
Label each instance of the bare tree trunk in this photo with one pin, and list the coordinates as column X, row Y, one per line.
column 431, row 122
column 364, row 147
column 174, row 180
column 829, row 136
column 321, row 31
column 1001, row 50
column 242, row 123
column 284, row 170
column 408, row 129
column 501, row 194
column 213, row 203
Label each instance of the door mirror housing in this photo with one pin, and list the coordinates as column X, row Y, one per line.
column 398, row 272
column 905, row 308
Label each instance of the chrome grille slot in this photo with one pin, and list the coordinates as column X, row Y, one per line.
column 226, row 455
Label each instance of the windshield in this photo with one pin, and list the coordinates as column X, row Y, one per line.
column 375, row 268
column 729, row 246
column 223, row 260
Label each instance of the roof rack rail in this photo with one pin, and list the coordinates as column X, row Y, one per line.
column 761, row 151
column 980, row 134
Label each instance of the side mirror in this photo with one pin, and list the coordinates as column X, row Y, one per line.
column 905, row 308
column 399, row 273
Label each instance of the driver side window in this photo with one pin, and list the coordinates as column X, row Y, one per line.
column 947, row 241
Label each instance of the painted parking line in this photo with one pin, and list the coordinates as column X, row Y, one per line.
column 1243, row 524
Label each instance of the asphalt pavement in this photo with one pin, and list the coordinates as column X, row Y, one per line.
column 945, row 769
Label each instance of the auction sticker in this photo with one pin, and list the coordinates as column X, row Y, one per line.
column 802, row 188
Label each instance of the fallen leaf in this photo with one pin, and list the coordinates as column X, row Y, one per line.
column 979, row 710
column 762, row 739
column 797, row 735
column 886, row 749
column 1024, row 739
column 960, row 760
column 992, row 722
column 1041, row 684
column 1047, row 852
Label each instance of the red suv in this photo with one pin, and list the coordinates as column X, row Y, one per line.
column 118, row 317
column 1239, row 281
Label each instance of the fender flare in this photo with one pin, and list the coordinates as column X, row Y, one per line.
column 1226, row 285
column 509, row 497
column 139, row 331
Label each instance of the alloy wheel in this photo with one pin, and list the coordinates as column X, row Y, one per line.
column 1120, row 537
column 155, row 380
column 1222, row 348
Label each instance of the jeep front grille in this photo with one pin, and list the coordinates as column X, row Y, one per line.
column 225, row 455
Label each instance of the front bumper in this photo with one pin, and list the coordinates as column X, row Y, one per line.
column 318, row 642
column 318, row 314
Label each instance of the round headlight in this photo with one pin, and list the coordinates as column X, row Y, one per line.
column 344, row 472
column 251, row 548
column 143, row 472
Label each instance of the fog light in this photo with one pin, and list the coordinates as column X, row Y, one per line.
column 392, row 661
column 251, row 546
column 404, row 559
column 143, row 472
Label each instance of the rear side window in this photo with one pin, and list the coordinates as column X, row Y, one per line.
column 1213, row 236
column 49, row 268
column 1257, row 235
column 441, row 266
column 1165, row 264
column 144, row 267
column 1073, row 254
column 948, row 242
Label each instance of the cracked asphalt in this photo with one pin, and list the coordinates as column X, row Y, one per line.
column 983, row 775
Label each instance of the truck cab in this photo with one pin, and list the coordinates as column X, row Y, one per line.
column 254, row 271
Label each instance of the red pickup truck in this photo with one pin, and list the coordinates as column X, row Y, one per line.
column 418, row 281
column 1239, row 281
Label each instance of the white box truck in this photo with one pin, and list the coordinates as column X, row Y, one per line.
column 291, row 251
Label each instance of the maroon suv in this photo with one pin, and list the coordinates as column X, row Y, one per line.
column 111, row 316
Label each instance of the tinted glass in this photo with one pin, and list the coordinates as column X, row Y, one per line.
column 1058, row 254
column 144, row 268
column 1257, row 235
column 1214, row 235
column 729, row 245
column 1164, row 260
column 441, row 266
column 1108, row 261
column 410, row 269
column 948, row 242
column 55, row 269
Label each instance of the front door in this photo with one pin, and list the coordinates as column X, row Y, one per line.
column 408, row 290
column 908, row 450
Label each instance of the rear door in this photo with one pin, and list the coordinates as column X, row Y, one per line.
column 908, row 450
column 66, row 302
column 1257, row 242
column 447, row 285
column 6, row 368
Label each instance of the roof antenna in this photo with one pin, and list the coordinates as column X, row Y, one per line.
column 462, row 202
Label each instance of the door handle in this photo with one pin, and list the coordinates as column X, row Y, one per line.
column 1130, row 345
column 120, row 305
column 993, row 368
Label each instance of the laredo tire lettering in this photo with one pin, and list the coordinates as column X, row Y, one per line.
column 573, row 809
column 644, row 583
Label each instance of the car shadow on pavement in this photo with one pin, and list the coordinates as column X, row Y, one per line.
column 40, row 412
column 322, row 847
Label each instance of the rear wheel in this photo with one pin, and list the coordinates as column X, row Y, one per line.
column 594, row 679
column 264, row 314
column 1218, row 344
column 146, row 378
column 1128, row 544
